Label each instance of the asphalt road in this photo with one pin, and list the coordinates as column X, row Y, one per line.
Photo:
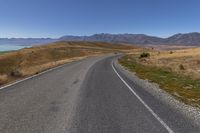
column 87, row 96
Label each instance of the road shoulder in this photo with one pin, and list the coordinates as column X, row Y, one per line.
column 191, row 113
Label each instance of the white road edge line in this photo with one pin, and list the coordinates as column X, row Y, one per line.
column 19, row 81
column 140, row 99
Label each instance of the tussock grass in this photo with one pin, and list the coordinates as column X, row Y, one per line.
column 186, row 61
column 3, row 79
column 144, row 55
column 182, row 87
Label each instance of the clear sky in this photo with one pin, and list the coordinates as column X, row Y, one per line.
column 54, row 18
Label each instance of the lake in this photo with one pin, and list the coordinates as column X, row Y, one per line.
column 8, row 47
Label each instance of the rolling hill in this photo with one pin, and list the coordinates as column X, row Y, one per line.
column 29, row 61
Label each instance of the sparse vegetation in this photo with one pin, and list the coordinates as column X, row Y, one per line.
column 189, row 58
column 29, row 61
column 183, row 87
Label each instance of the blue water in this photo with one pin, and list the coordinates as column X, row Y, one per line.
column 8, row 47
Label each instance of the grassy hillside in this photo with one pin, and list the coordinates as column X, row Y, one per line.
column 189, row 59
column 29, row 61
column 177, row 72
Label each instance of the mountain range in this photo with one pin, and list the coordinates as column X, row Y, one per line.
column 187, row 39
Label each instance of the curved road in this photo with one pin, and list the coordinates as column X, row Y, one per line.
column 89, row 96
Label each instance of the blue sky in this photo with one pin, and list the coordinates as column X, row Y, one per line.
column 54, row 18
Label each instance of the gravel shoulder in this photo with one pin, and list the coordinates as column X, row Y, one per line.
column 189, row 112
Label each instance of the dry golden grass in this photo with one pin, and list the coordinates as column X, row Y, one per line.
column 3, row 79
column 186, row 61
column 29, row 61
column 39, row 68
column 176, row 72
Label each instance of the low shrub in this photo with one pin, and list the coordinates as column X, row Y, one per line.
column 198, row 62
column 144, row 55
column 181, row 67
column 16, row 73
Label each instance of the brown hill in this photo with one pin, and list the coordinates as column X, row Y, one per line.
column 29, row 61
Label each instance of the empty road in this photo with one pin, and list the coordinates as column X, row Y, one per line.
column 88, row 96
